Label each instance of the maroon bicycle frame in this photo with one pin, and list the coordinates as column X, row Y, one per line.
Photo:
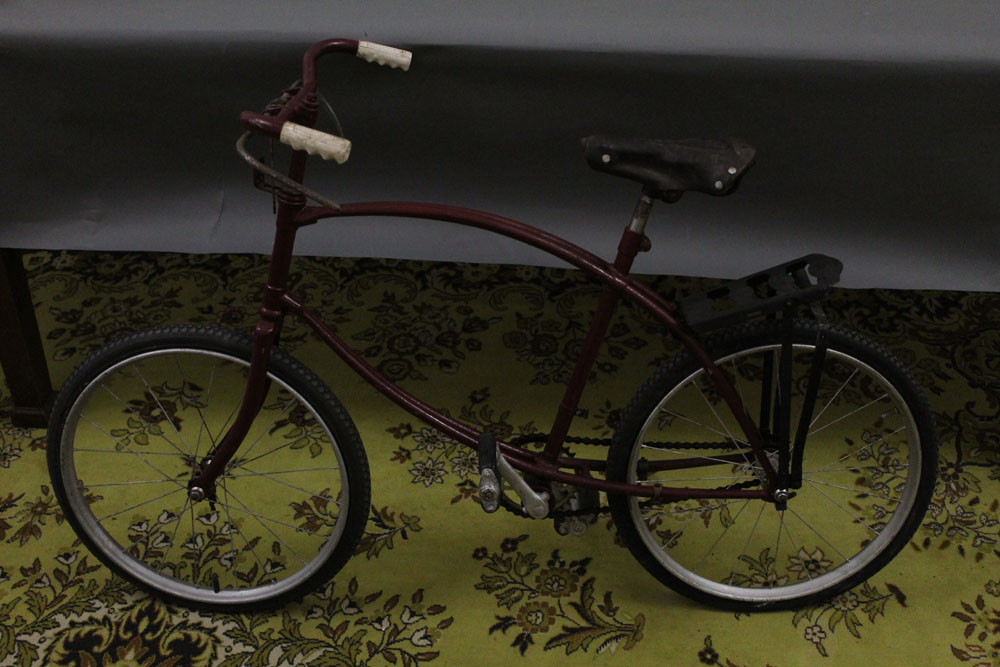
column 278, row 301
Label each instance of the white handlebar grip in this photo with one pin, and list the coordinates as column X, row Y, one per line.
column 328, row 146
column 385, row 55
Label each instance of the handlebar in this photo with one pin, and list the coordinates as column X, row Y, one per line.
column 384, row 55
column 292, row 120
column 315, row 142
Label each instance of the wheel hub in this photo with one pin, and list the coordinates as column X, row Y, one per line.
column 197, row 493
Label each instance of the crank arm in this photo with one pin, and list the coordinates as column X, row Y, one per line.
column 535, row 503
column 493, row 463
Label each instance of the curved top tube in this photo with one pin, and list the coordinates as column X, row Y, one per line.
column 615, row 276
column 300, row 105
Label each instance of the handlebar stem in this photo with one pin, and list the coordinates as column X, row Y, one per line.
column 302, row 106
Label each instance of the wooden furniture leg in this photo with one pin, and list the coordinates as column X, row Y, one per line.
column 21, row 353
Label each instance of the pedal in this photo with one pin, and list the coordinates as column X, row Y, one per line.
column 489, row 481
column 579, row 500
column 571, row 525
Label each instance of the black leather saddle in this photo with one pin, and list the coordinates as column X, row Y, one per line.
column 669, row 168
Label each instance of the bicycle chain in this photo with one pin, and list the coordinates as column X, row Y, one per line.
column 516, row 509
column 606, row 442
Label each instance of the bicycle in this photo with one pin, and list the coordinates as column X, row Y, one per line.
column 774, row 462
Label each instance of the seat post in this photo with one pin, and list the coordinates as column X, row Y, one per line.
column 641, row 213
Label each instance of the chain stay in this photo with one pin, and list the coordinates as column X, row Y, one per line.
column 516, row 510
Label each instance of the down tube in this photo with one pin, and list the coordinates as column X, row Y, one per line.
column 452, row 427
column 593, row 265
column 517, row 457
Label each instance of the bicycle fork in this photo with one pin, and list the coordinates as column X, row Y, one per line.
column 265, row 337
column 203, row 486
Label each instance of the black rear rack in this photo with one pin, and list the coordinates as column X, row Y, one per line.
column 800, row 281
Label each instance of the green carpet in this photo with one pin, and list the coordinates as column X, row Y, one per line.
column 438, row 581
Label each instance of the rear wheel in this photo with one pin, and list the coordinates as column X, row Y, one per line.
column 867, row 474
column 136, row 422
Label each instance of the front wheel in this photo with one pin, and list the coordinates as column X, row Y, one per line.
column 868, row 468
column 135, row 423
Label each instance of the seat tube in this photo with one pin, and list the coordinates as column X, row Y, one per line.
column 632, row 242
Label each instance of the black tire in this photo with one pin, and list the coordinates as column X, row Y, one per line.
column 868, row 473
column 132, row 424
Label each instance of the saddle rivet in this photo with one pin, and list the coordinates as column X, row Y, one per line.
column 718, row 185
column 732, row 170
column 605, row 158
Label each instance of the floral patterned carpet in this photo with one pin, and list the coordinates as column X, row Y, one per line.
column 438, row 581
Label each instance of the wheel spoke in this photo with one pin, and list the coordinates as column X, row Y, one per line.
column 673, row 480
column 868, row 492
column 777, row 548
column 241, row 507
column 834, row 397
column 266, row 430
column 721, row 505
column 123, row 451
column 857, row 451
column 130, row 410
column 202, row 423
column 706, row 508
column 818, row 534
column 194, row 566
column 854, row 469
column 791, row 540
column 860, row 427
column 251, row 473
column 133, row 483
column 710, row 429
column 719, row 538
column 737, row 383
column 267, row 476
column 137, row 505
column 728, row 434
column 225, row 424
column 849, row 414
column 854, row 518
column 229, row 518
column 243, row 462
column 163, row 410
column 746, row 546
column 261, row 519
column 133, row 452
column 173, row 536
column 706, row 458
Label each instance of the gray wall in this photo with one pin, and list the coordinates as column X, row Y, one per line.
column 876, row 125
